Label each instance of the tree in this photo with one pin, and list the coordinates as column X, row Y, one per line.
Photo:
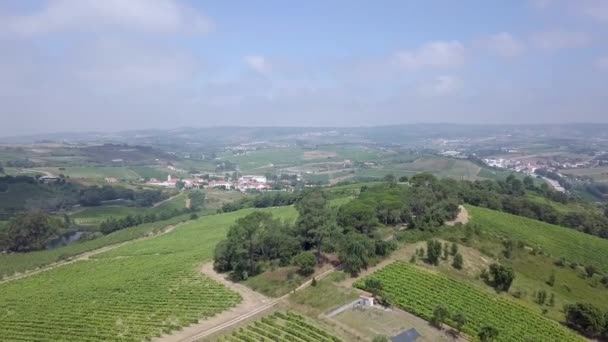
column 509, row 248
column 446, row 251
column 586, row 318
column 551, row 280
column 487, row 333
column 315, row 221
column 1, row 168
column 253, row 239
column 454, row 249
column 457, row 262
column 389, row 178
column 460, row 319
column 180, row 184
column 355, row 252
column 358, row 216
column 590, row 270
column 31, row 231
column 528, row 183
column 197, row 200
column 433, row 252
column 374, row 286
column 440, row 314
column 305, row 261
column 380, row 338
column 501, row 277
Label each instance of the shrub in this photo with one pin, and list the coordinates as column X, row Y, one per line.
column 305, row 261
column 457, row 262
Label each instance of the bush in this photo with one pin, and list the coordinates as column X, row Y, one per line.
column 305, row 261
column 457, row 262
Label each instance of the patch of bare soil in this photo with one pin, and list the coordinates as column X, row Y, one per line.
column 462, row 217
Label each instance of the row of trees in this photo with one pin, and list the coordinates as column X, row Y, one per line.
column 263, row 200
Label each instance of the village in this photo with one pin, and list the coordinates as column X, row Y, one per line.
column 246, row 183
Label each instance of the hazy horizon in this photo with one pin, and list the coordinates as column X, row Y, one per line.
column 112, row 66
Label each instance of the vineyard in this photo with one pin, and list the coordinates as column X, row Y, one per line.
column 557, row 241
column 420, row 291
column 280, row 327
column 132, row 293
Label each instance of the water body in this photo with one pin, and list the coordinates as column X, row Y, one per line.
column 65, row 239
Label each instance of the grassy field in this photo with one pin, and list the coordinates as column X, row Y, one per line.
column 257, row 159
column 134, row 292
column 420, row 291
column 92, row 172
column 95, row 215
column 440, row 167
column 555, row 240
column 150, row 172
column 20, row 262
column 281, row 327
column 598, row 174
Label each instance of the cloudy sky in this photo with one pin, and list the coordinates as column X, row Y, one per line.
column 107, row 65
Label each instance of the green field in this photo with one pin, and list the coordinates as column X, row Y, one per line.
column 93, row 172
column 440, row 167
column 95, row 215
column 558, row 241
column 150, row 172
column 281, row 327
column 20, row 262
column 419, row 291
column 258, row 159
column 133, row 292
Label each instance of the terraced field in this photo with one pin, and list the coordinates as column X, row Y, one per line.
column 420, row 291
column 132, row 293
column 280, row 327
column 557, row 241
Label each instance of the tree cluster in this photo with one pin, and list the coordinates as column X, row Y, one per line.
column 113, row 224
column 587, row 319
column 500, row 277
column 31, row 231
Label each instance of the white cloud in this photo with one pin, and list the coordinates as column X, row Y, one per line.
column 503, row 44
column 258, row 63
column 152, row 16
column 439, row 54
column 559, row 39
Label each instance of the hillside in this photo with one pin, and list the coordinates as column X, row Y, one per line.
column 558, row 241
column 138, row 291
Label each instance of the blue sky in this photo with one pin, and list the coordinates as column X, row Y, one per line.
column 112, row 65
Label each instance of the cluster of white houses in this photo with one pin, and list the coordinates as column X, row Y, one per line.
column 245, row 183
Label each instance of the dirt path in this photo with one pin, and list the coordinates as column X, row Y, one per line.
column 252, row 304
column 87, row 255
column 164, row 201
column 462, row 217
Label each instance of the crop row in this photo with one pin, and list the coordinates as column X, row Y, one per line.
column 280, row 327
column 420, row 292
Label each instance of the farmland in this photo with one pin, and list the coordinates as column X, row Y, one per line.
column 90, row 172
column 136, row 291
column 420, row 291
column 555, row 240
column 281, row 327
column 20, row 262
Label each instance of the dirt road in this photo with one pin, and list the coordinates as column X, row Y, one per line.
column 252, row 304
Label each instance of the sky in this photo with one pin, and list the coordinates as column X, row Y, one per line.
column 114, row 65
